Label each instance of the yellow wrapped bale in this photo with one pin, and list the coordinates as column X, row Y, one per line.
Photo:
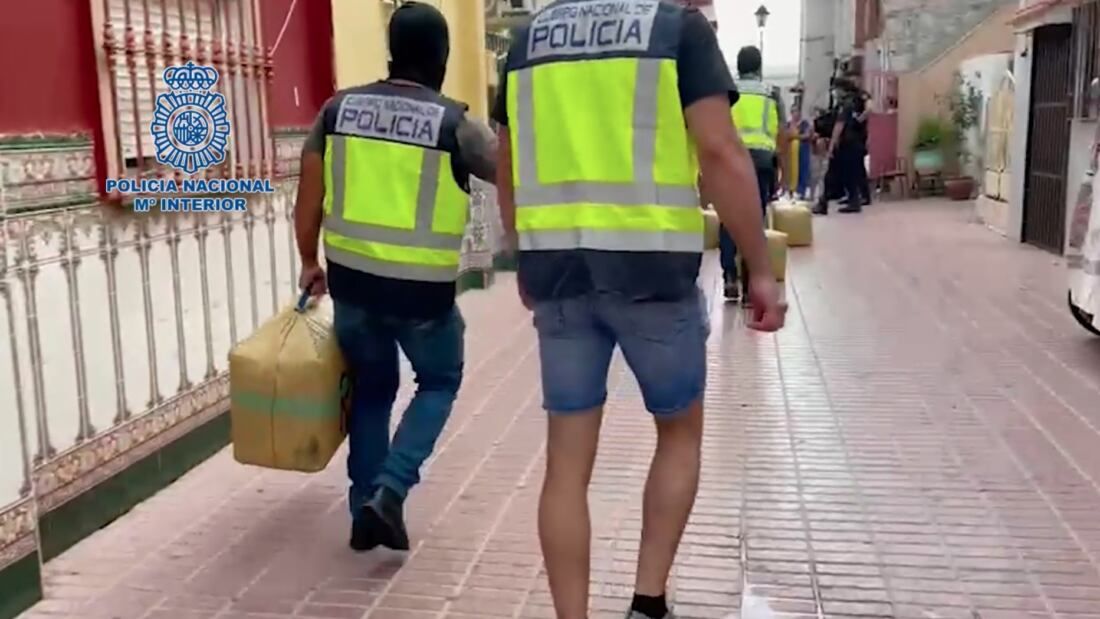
column 796, row 221
column 289, row 391
column 777, row 249
column 710, row 229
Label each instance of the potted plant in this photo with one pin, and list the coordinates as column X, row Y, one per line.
column 928, row 146
column 964, row 104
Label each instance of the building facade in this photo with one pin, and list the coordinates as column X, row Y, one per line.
column 1056, row 60
column 116, row 324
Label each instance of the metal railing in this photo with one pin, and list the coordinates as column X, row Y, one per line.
column 116, row 327
column 497, row 43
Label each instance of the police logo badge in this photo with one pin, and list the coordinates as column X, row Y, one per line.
column 190, row 123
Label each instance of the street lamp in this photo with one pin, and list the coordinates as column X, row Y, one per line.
column 762, row 14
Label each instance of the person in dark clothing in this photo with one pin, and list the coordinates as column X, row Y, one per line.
column 858, row 138
column 846, row 152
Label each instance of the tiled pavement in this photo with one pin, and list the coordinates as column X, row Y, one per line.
column 920, row 442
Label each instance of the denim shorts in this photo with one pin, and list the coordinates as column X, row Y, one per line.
column 663, row 343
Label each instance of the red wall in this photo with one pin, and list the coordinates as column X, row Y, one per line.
column 48, row 63
column 47, row 59
column 882, row 142
column 303, row 60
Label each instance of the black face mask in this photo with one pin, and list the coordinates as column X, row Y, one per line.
column 419, row 45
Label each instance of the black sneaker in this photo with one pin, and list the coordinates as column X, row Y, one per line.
column 732, row 290
column 850, row 209
column 364, row 537
column 383, row 515
column 820, row 209
column 746, row 299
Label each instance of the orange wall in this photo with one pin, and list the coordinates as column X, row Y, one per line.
column 918, row 91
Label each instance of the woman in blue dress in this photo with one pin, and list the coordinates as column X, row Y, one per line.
column 804, row 130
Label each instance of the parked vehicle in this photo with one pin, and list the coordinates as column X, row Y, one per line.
column 1083, row 252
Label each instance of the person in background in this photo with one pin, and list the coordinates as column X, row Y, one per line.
column 802, row 134
column 845, row 155
column 597, row 187
column 860, row 101
column 393, row 205
column 761, row 122
column 862, row 108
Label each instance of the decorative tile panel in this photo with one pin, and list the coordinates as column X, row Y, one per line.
column 17, row 524
column 46, row 173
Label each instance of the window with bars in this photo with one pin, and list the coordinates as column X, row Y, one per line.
column 1086, row 48
column 140, row 38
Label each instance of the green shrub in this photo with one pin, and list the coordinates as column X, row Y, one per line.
column 932, row 133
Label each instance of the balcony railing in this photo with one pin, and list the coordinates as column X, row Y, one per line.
column 497, row 43
column 505, row 14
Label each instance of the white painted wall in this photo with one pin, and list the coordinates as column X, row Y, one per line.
column 985, row 74
column 1021, row 119
column 818, row 50
column 709, row 12
column 1081, row 136
column 844, row 29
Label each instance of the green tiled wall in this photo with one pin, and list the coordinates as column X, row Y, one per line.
column 61, row 528
column 20, row 586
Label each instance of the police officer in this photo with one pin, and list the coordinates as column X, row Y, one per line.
column 760, row 119
column 861, row 113
column 847, row 147
column 386, row 169
column 608, row 111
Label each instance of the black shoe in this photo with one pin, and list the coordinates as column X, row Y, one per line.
column 745, row 299
column 364, row 537
column 383, row 515
column 850, row 209
column 820, row 209
column 732, row 290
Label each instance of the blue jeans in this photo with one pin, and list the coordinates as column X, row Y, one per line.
column 664, row 343
column 765, row 180
column 369, row 343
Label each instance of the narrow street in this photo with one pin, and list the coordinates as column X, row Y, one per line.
column 921, row 442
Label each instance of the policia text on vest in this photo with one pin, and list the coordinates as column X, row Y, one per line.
column 592, row 28
column 394, row 206
column 404, row 119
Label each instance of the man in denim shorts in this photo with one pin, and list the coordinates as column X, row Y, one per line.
column 597, row 187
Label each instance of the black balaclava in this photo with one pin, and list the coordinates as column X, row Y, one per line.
column 419, row 45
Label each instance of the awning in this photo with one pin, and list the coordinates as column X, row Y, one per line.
column 1038, row 8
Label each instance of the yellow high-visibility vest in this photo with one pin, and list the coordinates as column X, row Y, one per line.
column 393, row 207
column 756, row 116
column 602, row 158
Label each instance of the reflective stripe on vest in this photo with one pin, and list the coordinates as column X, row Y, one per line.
column 368, row 199
column 635, row 214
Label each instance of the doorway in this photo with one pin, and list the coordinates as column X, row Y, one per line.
column 1044, row 220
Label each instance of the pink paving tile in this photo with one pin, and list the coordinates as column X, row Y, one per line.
column 919, row 442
